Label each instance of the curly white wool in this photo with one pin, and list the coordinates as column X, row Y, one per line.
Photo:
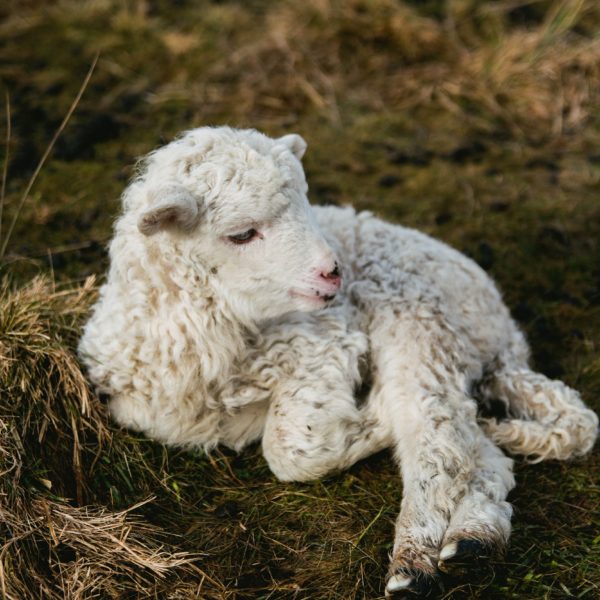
column 202, row 339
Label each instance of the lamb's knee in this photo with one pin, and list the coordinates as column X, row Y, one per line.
column 290, row 461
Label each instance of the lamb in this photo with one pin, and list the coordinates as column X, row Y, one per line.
column 234, row 311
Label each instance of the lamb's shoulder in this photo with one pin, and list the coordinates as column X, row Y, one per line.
column 366, row 240
column 402, row 251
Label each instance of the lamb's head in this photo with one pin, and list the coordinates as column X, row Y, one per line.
column 234, row 201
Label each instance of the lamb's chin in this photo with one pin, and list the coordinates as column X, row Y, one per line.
column 309, row 302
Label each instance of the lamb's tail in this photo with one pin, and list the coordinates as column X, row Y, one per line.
column 546, row 418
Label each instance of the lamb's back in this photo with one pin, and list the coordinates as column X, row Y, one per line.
column 386, row 264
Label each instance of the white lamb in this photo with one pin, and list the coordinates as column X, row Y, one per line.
column 233, row 311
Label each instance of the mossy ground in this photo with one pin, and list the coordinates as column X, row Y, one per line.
column 474, row 121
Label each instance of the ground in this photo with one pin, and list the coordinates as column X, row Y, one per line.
column 475, row 121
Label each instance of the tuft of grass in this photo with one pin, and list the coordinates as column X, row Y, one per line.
column 42, row 383
column 53, row 431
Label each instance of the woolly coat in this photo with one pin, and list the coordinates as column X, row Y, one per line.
column 199, row 342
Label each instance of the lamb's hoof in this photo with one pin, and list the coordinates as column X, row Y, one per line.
column 464, row 557
column 407, row 584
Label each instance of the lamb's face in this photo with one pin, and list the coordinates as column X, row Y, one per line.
column 242, row 212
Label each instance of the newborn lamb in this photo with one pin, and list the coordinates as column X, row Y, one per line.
column 234, row 311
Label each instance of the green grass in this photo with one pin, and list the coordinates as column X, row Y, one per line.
column 474, row 121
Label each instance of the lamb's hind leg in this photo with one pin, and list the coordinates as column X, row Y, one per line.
column 546, row 418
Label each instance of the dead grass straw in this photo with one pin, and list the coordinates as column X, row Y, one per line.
column 4, row 239
column 534, row 83
column 52, row 430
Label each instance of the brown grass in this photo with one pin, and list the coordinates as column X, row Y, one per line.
column 314, row 55
column 53, row 548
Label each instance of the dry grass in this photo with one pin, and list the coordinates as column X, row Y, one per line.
column 476, row 121
column 315, row 54
column 55, row 545
column 45, row 392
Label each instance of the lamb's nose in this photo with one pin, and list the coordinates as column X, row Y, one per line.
column 333, row 277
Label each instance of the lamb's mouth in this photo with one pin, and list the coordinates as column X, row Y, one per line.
column 315, row 296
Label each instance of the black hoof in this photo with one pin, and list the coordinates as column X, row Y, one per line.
column 469, row 558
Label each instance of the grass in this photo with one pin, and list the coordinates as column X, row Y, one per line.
column 474, row 121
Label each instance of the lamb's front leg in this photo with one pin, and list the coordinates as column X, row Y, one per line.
column 314, row 427
column 421, row 389
column 454, row 514
column 436, row 448
column 480, row 525
column 308, row 367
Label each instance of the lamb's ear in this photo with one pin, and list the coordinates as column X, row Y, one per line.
column 171, row 207
column 295, row 143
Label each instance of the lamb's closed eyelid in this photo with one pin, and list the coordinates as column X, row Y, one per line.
column 239, row 228
column 245, row 238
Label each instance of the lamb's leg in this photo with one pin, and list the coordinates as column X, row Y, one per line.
column 454, row 511
column 306, row 369
column 551, row 422
column 443, row 455
column 547, row 419
column 436, row 447
column 480, row 525
column 314, row 427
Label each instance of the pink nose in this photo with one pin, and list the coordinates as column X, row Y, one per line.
column 332, row 277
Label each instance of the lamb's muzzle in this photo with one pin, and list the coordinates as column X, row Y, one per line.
column 332, row 276
column 328, row 280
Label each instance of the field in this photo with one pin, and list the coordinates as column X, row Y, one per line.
column 475, row 121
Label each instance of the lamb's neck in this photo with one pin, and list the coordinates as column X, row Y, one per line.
column 219, row 341
column 189, row 318
column 215, row 336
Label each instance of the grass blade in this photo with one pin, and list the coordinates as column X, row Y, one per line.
column 46, row 154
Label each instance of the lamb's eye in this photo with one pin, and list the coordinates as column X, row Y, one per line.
column 243, row 238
